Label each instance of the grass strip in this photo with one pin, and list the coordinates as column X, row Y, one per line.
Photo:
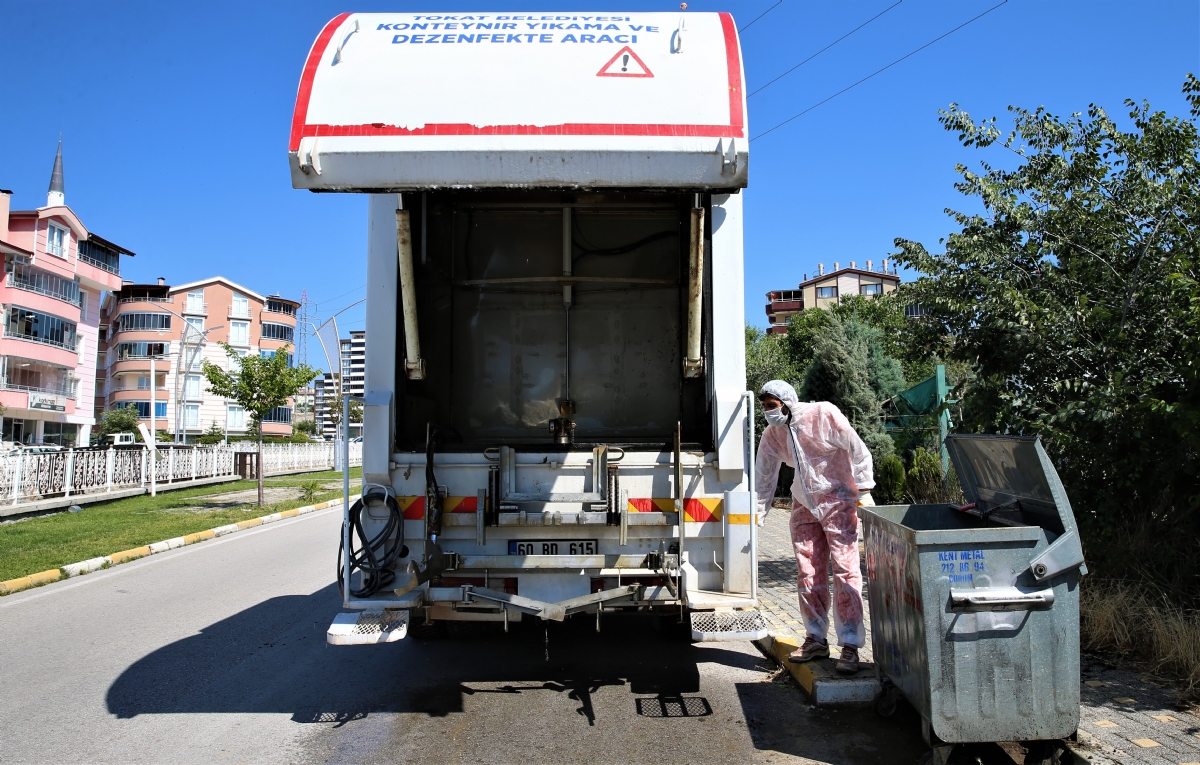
column 49, row 542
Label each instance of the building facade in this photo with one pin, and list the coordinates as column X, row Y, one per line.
column 178, row 328
column 352, row 360
column 55, row 274
column 825, row 290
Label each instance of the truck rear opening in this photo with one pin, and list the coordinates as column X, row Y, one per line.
column 555, row 420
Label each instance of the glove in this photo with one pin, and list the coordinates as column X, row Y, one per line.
column 865, row 499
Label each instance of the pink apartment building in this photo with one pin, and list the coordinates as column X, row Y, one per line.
column 182, row 326
column 56, row 272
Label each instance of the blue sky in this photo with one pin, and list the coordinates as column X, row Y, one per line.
column 175, row 118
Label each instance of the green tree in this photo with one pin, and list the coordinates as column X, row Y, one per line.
column 766, row 359
column 123, row 419
column 839, row 374
column 1074, row 298
column 258, row 385
column 305, row 427
column 214, row 434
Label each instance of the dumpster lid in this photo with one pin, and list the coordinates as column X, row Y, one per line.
column 1013, row 477
column 391, row 101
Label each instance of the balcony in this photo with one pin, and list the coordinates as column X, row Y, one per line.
column 36, row 280
column 240, row 313
column 195, row 308
column 65, row 388
column 146, row 300
column 280, row 308
column 66, row 344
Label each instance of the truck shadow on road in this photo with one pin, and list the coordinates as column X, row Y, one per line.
column 273, row 658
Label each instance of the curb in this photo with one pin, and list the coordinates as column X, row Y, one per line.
column 106, row 561
column 818, row 679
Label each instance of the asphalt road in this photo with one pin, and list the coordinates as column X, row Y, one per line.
column 216, row 653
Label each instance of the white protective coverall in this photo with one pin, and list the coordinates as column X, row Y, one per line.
column 832, row 465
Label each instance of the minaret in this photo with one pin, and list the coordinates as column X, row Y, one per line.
column 56, row 196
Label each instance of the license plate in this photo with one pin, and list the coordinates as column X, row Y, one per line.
column 554, row 547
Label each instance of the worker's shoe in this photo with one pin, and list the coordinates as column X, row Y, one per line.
column 847, row 663
column 812, row 649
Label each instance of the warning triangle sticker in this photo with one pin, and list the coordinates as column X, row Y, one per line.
column 625, row 64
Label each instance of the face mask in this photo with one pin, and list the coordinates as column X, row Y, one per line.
column 776, row 416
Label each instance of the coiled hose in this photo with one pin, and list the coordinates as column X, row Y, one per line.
column 374, row 557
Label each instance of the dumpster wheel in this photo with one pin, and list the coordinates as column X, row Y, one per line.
column 1046, row 753
column 887, row 700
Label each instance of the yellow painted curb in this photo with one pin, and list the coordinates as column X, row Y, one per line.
column 250, row 523
column 124, row 555
column 45, row 577
column 290, row 513
column 20, row 583
column 805, row 674
column 199, row 536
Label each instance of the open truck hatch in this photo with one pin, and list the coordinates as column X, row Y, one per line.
column 555, row 419
column 392, row 101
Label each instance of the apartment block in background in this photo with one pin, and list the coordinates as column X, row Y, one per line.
column 825, row 290
column 55, row 272
column 182, row 326
column 352, row 359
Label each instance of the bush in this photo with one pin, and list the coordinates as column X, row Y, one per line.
column 889, row 480
column 923, row 483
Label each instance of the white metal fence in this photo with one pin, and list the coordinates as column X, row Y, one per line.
column 281, row 458
column 30, row 476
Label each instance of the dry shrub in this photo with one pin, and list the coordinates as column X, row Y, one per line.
column 1138, row 622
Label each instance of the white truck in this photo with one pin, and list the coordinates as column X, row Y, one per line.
column 555, row 417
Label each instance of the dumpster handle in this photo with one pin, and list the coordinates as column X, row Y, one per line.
column 1000, row 599
column 965, row 508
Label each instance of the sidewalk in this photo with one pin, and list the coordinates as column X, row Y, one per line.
column 1126, row 719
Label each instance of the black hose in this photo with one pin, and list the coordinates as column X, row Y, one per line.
column 374, row 557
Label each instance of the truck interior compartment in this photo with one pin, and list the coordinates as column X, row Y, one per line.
column 510, row 327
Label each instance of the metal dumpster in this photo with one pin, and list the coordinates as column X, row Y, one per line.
column 975, row 610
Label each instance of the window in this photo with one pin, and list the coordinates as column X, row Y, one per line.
column 277, row 332
column 826, row 292
column 143, row 383
column 143, row 322
column 83, row 305
column 239, row 333
column 194, row 329
column 142, row 350
column 59, row 433
column 241, row 306
column 101, row 256
column 191, row 415
column 278, row 306
column 235, row 418
column 194, row 358
column 195, row 302
column 871, row 289
column 191, row 387
column 291, row 357
column 26, row 277
column 56, row 240
column 143, row 409
column 39, row 327
column 279, row 414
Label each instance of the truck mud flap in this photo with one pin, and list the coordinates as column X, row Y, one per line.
column 714, row 626
column 368, row 628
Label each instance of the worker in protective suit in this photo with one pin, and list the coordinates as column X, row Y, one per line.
column 833, row 475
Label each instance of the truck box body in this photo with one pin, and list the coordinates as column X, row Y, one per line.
column 554, row 301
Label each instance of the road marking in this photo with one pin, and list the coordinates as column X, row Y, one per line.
column 1165, row 718
column 70, row 584
column 1146, row 743
column 1106, row 724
